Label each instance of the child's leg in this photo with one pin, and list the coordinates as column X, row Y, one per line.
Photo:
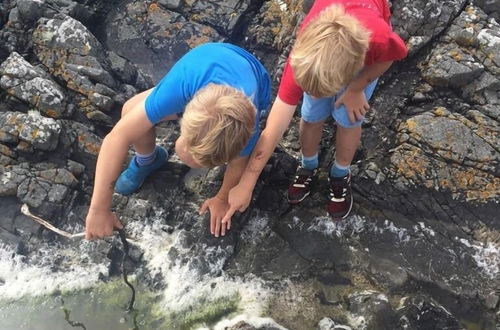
column 314, row 111
column 146, row 144
column 310, row 137
column 148, row 157
column 348, row 136
column 347, row 142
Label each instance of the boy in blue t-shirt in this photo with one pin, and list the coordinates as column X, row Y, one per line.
column 221, row 90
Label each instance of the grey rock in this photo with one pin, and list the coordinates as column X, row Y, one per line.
column 170, row 4
column 450, row 66
column 75, row 168
column 57, row 193
column 418, row 22
column 33, row 86
column 143, row 35
column 491, row 7
column 373, row 309
column 328, row 324
column 30, row 10
column 492, row 301
column 33, row 192
column 73, row 54
column 419, row 313
column 40, row 132
column 60, row 176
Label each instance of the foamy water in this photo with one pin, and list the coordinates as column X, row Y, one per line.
column 33, row 276
column 185, row 288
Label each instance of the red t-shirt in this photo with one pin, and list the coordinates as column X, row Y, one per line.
column 385, row 45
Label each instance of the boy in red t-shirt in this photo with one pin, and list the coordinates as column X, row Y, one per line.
column 341, row 49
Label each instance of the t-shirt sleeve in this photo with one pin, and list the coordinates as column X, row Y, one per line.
column 289, row 92
column 393, row 48
column 169, row 97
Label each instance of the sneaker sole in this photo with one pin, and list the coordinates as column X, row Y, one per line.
column 297, row 201
column 345, row 215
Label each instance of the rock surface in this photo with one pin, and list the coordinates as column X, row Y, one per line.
column 421, row 250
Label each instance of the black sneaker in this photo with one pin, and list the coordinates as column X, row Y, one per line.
column 340, row 198
column 300, row 189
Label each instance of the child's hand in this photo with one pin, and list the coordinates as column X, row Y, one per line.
column 355, row 103
column 239, row 198
column 218, row 208
column 100, row 223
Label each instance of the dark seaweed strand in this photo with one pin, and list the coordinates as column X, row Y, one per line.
column 67, row 313
column 123, row 238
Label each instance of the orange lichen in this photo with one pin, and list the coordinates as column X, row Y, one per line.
column 456, row 55
column 411, row 125
column 197, row 40
column 34, row 133
column 92, row 148
column 440, row 111
column 153, row 7
column 51, row 113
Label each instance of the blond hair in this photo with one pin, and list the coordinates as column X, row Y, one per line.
column 217, row 124
column 329, row 52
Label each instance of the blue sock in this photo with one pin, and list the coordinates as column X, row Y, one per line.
column 339, row 171
column 310, row 163
column 145, row 160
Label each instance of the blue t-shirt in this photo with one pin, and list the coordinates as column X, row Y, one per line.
column 218, row 63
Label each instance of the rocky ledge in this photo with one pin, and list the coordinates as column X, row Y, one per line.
column 421, row 250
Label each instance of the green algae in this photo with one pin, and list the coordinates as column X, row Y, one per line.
column 104, row 307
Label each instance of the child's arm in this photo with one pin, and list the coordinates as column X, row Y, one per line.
column 354, row 97
column 218, row 204
column 100, row 221
column 279, row 118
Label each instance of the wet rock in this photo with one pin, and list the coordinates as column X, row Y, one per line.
column 328, row 324
column 492, row 300
column 262, row 252
column 371, row 310
column 419, row 313
column 424, row 223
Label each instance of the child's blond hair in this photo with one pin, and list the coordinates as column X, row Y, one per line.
column 217, row 124
column 329, row 52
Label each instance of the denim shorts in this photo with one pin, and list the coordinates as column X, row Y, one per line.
column 318, row 109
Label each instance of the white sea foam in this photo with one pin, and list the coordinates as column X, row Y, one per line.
column 487, row 257
column 356, row 225
column 257, row 322
column 33, row 277
column 185, row 286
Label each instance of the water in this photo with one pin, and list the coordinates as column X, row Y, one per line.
column 36, row 295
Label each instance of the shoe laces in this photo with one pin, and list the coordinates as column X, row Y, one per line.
column 303, row 176
column 338, row 187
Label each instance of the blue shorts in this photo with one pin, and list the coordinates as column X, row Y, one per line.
column 318, row 109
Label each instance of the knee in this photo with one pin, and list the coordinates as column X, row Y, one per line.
column 312, row 125
column 127, row 106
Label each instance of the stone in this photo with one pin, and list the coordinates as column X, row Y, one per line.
column 40, row 132
column 33, row 86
